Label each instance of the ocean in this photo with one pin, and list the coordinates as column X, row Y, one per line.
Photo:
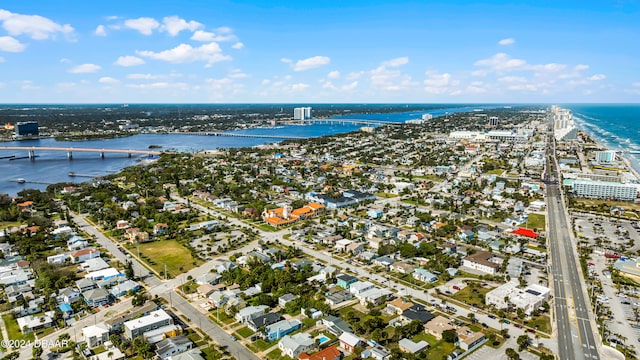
column 615, row 126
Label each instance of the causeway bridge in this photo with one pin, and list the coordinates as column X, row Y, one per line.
column 366, row 122
column 214, row 133
column 31, row 150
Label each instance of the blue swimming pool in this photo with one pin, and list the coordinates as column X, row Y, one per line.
column 323, row 339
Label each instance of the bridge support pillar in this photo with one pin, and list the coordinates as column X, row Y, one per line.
column 69, row 155
column 32, row 154
column 102, row 155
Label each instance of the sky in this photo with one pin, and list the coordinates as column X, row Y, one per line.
column 373, row 51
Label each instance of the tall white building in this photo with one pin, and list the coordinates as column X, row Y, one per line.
column 527, row 299
column 606, row 156
column 604, row 190
column 302, row 113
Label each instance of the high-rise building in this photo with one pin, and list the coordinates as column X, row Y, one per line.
column 27, row 129
column 493, row 121
column 302, row 113
column 606, row 156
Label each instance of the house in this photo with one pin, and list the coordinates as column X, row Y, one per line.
column 134, row 235
column 28, row 324
column 355, row 248
column 96, row 297
column 411, row 347
column 68, row 295
column 344, row 280
column 155, row 319
column 375, row 296
column 208, row 278
column 76, row 243
column 95, row 335
column 424, row 275
column 336, row 325
column 205, row 290
column 263, row 321
column 122, row 224
column 172, row 346
column 14, row 277
column 438, row 325
column 482, row 261
column 225, row 266
column 160, row 229
column 330, row 353
column 383, row 261
column 250, row 312
column 285, row 299
column 94, row 264
column 294, row 345
column 359, row 287
column 377, row 352
column 349, row 341
column 57, row 259
column 81, row 255
column 469, row 340
column 402, row 268
column 115, row 323
column 374, row 213
column 281, row 328
column 417, row 312
column 124, row 288
column 85, row 284
column 336, row 298
column 398, row 306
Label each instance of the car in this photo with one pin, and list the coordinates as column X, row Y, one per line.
column 491, row 316
column 625, row 303
column 519, row 326
column 531, row 331
column 233, row 338
column 484, row 325
column 456, row 287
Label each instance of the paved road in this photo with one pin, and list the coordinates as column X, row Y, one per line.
column 576, row 338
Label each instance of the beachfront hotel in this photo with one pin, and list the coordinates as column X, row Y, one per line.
column 595, row 189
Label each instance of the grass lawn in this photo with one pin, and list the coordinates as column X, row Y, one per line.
column 438, row 349
column 210, row 353
column 472, row 297
column 536, row 221
column 275, row 354
column 245, row 332
column 220, row 316
column 541, row 323
column 177, row 258
column 263, row 345
column 13, row 330
column 495, row 172
column 385, row 195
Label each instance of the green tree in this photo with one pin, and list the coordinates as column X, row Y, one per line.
column 523, row 341
column 450, row 336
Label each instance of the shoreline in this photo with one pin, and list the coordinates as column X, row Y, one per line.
column 632, row 166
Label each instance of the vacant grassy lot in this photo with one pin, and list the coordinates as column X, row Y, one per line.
column 177, row 258
column 472, row 296
column 536, row 221
column 13, row 330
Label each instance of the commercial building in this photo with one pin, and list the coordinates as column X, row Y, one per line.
column 482, row 261
column 510, row 294
column 595, row 189
column 26, row 130
column 302, row 113
column 606, row 156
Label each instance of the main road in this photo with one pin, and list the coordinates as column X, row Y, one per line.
column 576, row 338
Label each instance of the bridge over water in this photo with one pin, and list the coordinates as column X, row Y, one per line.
column 366, row 122
column 213, row 133
column 31, row 150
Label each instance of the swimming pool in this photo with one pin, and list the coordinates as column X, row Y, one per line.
column 323, row 339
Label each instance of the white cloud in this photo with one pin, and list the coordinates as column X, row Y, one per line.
column 223, row 34
column 85, row 68
column 144, row 76
column 333, row 74
column 309, row 63
column 286, row 60
column 237, row 74
column 507, row 41
column 297, row 87
column 145, row 25
column 439, row 83
column 238, row 45
column 1, row 59
column 501, row 63
column 108, row 80
column 355, row 75
column 100, row 31
column 10, row 44
column 637, row 84
column 35, row 26
column 184, row 53
column 129, row 61
column 479, row 73
column 383, row 78
column 598, row 77
column 174, row 25
column 396, row 62
column 581, row 67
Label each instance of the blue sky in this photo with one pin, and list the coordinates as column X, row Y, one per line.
column 78, row 51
